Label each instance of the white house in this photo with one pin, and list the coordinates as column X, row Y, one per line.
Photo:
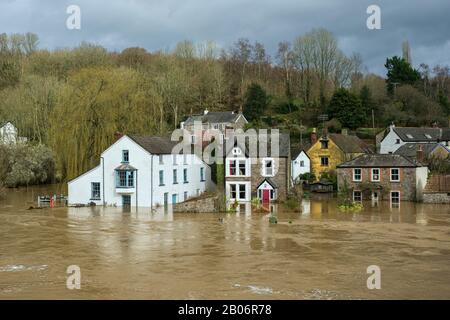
column 9, row 134
column 141, row 171
column 395, row 137
column 300, row 164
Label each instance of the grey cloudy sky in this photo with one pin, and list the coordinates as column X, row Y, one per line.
column 159, row 24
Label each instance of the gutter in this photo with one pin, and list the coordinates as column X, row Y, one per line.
column 151, row 182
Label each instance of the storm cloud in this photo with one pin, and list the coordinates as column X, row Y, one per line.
column 154, row 25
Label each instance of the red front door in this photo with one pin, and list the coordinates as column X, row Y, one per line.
column 266, row 196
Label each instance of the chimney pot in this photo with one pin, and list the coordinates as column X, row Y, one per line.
column 118, row 135
column 420, row 154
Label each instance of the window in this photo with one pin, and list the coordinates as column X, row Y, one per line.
column 238, row 191
column 237, row 151
column 242, row 171
column 376, row 174
column 161, row 177
column 357, row 196
column 395, row 174
column 395, row 197
column 174, row 159
column 272, row 194
column 232, row 167
column 126, row 200
column 302, row 163
column 202, row 174
column 125, row 179
column 409, row 136
column 166, row 198
column 175, row 180
column 125, row 156
column 428, row 136
column 357, row 174
column 95, row 191
column 238, row 168
column 324, row 144
column 174, row 198
column 193, row 139
column 232, row 191
column 324, row 161
column 397, row 141
column 185, row 159
column 242, row 191
column 161, row 159
column 185, row 195
column 268, row 167
column 185, row 176
column 216, row 126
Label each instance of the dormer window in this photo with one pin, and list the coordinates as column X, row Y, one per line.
column 125, row 156
column 324, row 144
column 397, row 141
column 410, row 136
column 428, row 136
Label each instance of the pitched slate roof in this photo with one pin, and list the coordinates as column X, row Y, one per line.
column 155, row 145
column 269, row 181
column 298, row 148
column 415, row 134
column 380, row 161
column 214, row 117
column 349, row 144
column 410, row 149
column 283, row 143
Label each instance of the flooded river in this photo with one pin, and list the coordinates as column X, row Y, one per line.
column 318, row 254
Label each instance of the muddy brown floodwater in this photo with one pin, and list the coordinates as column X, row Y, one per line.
column 317, row 254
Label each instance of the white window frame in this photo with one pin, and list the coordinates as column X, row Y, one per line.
column 399, row 196
column 353, row 195
column 237, row 185
column 379, row 175
column 237, row 161
column 360, row 174
column 265, row 161
column 398, row 175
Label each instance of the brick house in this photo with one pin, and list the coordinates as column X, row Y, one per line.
column 383, row 177
column 264, row 177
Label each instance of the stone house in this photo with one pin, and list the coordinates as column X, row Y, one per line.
column 437, row 189
column 382, row 177
column 9, row 134
column 423, row 152
column 330, row 150
column 264, row 176
column 218, row 120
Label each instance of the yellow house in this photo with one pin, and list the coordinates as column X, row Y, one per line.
column 333, row 149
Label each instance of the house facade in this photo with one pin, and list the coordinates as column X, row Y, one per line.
column 330, row 150
column 9, row 134
column 300, row 164
column 141, row 171
column 382, row 177
column 264, row 177
column 218, row 120
column 396, row 137
column 423, row 152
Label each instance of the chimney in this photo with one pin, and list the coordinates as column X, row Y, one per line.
column 313, row 136
column 205, row 112
column 392, row 125
column 344, row 132
column 420, row 154
column 118, row 135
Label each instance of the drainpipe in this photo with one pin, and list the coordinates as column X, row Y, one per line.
column 136, row 190
column 103, row 180
column 151, row 182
